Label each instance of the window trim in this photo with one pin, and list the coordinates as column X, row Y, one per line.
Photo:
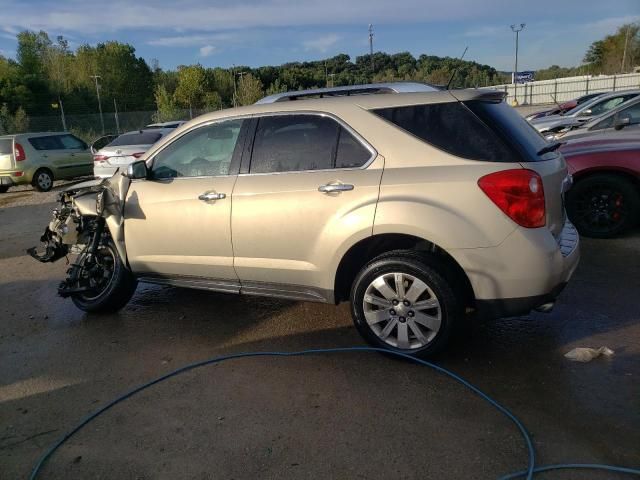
column 245, row 167
column 234, row 166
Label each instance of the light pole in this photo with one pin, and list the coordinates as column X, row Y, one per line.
column 96, row 77
column 235, row 90
column 371, row 47
column 516, row 29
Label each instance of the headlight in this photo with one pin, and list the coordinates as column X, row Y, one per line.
column 100, row 202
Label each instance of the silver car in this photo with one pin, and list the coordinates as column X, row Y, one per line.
column 583, row 113
column 125, row 149
column 623, row 121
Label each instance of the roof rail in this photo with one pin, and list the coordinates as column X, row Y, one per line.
column 367, row 89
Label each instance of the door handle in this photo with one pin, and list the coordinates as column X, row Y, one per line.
column 206, row 197
column 335, row 187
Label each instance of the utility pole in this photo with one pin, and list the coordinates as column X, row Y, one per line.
column 371, row 47
column 64, row 121
column 333, row 82
column 240, row 74
column 235, row 90
column 516, row 29
column 96, row 77
column 624, row 52
column 326, row 75
column 115, row 109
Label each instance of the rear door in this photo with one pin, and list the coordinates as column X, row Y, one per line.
column 52, row 154
column 311, row 186
column 6, row 154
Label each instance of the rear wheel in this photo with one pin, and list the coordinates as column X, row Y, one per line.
column 108, row 285
column 43, row 180
column 603, row 206
column 402, row 302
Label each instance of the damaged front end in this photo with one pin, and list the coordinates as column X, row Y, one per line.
column 87, row 222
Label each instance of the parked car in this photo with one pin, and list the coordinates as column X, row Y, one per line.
column 173, row 124
column 605, row 198
column 583, row 113
column 102, row 142
column 40, row 158
column 561, row 108
column 413, row 206
column 125, row 149
column 623, row 120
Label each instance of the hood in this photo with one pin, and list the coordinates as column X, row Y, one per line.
column 87, row 184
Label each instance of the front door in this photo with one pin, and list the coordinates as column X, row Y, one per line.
column 178, row 222
column 78, row 160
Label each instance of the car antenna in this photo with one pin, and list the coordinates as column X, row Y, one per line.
column 455, row 70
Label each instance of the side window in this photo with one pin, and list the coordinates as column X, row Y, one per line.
column 606, row 123
column 351, row 153
column 606, row 105
column 633, row 112
column 291, row 143
column 46, row 143
column 205, row 151
column 70, row 142
column 451, row 127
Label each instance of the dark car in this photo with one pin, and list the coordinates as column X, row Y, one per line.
column 605, row 198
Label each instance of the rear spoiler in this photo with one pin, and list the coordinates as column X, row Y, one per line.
column 482, row 95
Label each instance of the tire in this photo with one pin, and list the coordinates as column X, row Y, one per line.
column 4, row 188
column 111, row 296
column 43, row 180
column 603, row 205
column 382, row 317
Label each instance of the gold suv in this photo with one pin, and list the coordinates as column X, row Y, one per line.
column 416, row 207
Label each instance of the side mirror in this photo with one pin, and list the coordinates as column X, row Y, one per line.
column 586, row 113
column 137, row 170
column 620, row 122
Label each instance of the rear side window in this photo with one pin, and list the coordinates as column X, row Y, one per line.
column 6, row 146
column 292, row 143
column 46, row 143
column 72, row 143
column 451, row 127
column 138, row 138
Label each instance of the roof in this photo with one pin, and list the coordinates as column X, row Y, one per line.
column 365, row 89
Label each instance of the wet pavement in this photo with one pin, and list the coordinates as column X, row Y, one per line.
column 355, row 415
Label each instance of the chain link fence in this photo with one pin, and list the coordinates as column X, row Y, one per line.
column 563, row 89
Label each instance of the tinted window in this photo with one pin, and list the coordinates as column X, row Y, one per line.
column 606, row 123
column 291, row 143
column 46, row 143
column 72, row 143
column 138, row 138
column 351, row 153
column 451, row 127
column 514, row 130
column 205, row 151
column 632, row 112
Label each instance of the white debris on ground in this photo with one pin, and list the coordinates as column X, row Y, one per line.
column 585, row 355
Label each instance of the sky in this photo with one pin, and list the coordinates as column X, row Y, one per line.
column 272, row 32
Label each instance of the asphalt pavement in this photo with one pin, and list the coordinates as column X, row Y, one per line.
column 344, row 416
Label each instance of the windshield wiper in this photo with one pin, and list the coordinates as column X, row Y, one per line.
column 549, row 148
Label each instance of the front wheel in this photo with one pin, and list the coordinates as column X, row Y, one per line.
column 401, row 302
column 104, row 284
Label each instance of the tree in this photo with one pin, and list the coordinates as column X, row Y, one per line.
column 249, row 90
column 190, row 90
column 615, row 53
column 167, row 109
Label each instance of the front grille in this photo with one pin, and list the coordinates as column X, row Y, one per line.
column 568, row 239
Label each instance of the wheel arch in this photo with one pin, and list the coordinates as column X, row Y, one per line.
column 627, row 174
column 365, row 250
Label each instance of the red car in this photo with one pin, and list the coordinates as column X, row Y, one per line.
column 605, row 198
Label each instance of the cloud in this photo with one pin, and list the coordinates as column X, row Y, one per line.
column 189, row 40
column 321, row 44
column 207, row 50
column 609, row 25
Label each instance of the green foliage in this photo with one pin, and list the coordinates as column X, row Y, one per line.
column 191, row 86
column 249, row 90
column 167, row 109
column 607, row 55
column 16, row 123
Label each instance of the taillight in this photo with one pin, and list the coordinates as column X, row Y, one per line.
column 19, row 152
column 519, row 194
column 100, row 158
column 138, row 155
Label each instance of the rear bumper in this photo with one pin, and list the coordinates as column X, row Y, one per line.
column 528, row 269
column 8, row 178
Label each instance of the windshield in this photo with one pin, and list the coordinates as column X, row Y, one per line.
column 137, row 138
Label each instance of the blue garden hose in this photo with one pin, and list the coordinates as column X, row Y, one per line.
column 528, row 473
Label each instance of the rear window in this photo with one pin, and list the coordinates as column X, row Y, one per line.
column 451, row 127
column 6, row 146
column 138, row 138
